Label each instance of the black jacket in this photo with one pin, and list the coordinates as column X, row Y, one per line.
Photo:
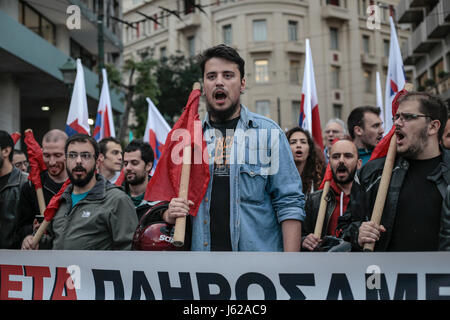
column 312, row 205
column 29, row 206
column 364, row 192
column 9, row 203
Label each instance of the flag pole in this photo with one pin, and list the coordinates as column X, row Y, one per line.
column 384, row 182
column 180, row 223
column 322, row 209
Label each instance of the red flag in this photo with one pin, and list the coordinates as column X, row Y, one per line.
column 327, row 177
column 121, row 178
column 15, row 136
column 382, row 147
column 53, row 205
column 35, row 158
column 165, row 183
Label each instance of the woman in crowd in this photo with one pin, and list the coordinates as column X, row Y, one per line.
column 307, row 157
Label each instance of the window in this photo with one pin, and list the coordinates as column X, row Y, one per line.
column 337, row 111
column 335, row 75
column 334, row 39
column 333, row 2
column 259, row 30
column 368, row 81
column 37, row 23
column 227, row 33
column 366, row 44
column 386, row 46
column 436, row 69
column 163, row 53
column 191, row 46
column 364, row 7
column 295, row 112
column 263, row 108
column 294, row 71
column 261, row 71
column 77, row 51
column 292, row 30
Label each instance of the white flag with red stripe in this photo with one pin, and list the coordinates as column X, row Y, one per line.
column 104, row 124
column 309, row 108
column 395, row 80
column 156, row 131
column 77, row 119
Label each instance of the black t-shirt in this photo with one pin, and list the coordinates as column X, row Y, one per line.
column 4, row 180
column 219, row 210
column 418, row 218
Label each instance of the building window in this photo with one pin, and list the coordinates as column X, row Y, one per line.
column 77, row 51
column 334, row 39
column 436, row 69
column 368, row 81
column 188, row 6
column 294, row 71
column 261, row 71
column 366, row 44
column 295, row 112
column 292, row 30
column 333, row 2
column 337, row 111
column 335, row 76
column 263, row 108
column 259, row 30
column 163, row 53
column 227, row 33
column 37, row 23
column 386, row 46
column 191, row 46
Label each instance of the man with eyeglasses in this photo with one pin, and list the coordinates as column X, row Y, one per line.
column 52, row 180
column 334, row 129
column 412, row 218
column 93, row 214
column 20, row 160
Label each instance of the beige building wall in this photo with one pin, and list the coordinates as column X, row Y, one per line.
column 345, row 75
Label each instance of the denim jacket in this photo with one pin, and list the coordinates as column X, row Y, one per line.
column 265, row 187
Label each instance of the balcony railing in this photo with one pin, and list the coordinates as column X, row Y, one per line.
column 437, row 27
column 335, row 13
column 420, row 42
column 406, row 13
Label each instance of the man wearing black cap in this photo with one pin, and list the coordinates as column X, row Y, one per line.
column 11, row 179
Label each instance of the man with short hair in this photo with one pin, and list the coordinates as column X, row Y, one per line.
column 93, row 214
column 334, row 129
column 52, row 180
column 248, row 206
column 20, row 160
column 110, row 158
column 343, row 163
column 138, row 160
column 366, row 129
column 412, row 218
column 11, row 180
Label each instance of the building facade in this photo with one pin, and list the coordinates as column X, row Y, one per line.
column 36, row 40
column 270, row 35
column 427, row 50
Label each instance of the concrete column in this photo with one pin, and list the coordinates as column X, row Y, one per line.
column 9, row 103
column 10, row 7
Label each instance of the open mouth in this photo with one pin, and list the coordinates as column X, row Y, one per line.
column 400, row 136
column 299, row 153
column 220, row 96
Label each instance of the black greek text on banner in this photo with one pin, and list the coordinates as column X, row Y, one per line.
column 132, row 275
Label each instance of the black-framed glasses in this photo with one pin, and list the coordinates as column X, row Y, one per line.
column 404, row 116
column 85, row 156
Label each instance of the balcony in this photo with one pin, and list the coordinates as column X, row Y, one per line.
column 190, row 21
column 294, row 47
column 420, row 42
column 261, row 47
column 408, row 57
column 446, row 8
column 332, row 12
column 437, row 27
column 368, row 59
column 406, row 12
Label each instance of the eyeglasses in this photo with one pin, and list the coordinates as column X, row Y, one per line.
column 408, row 116
column 21, row 163
column 85, row 156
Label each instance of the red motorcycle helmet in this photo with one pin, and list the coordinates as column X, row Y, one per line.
column 153, row 234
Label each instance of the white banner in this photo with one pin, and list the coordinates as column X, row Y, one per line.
column 99, row 275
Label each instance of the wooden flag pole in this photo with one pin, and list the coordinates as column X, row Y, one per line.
column 322, row 210
column 180, row 223
column 385, row 181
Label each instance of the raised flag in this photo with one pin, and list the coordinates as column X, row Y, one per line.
column 35, row 158
column 309, row 108
column 15, row 136
column 156, row 131
column 165, row 183
column 104, row 124
column 77, row 119
column 395, row 80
